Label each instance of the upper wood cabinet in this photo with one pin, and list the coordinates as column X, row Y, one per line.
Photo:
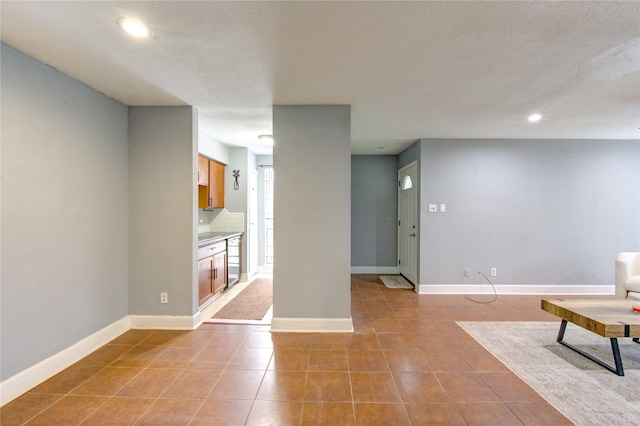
column 216, row 184
column 210, row 183
column 203, row 170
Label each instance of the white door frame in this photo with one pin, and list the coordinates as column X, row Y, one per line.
column 409, row 241
column 252, row 250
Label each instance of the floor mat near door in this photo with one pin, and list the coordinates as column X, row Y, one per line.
column 252, row 303
column 395, row 281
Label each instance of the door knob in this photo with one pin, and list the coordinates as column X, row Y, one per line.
column 412, row 235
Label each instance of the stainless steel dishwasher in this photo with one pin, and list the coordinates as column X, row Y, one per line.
column 234, row 259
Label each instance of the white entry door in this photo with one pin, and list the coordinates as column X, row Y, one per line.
column 408, row 222
column 252, row 264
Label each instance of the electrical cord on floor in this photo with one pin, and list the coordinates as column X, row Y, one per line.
column 495, row 293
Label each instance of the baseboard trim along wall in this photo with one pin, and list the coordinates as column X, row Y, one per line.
column 516, row 289
column 391, row 270
column 312, row 325
column 166, row 322
column 26, row 380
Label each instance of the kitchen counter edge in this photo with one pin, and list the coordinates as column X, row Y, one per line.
column 213, row 237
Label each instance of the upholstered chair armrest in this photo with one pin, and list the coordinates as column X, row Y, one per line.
column 626, row 264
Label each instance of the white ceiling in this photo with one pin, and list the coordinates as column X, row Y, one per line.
column 410, row 70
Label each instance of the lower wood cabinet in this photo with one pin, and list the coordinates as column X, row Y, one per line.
column 219, row 272
column 205, row 289
column 212, row 270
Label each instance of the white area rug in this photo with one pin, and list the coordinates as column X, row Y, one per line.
column 395, row 281
column 582, row 390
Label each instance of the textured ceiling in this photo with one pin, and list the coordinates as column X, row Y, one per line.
column 410, row 70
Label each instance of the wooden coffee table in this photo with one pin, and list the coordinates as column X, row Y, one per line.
column 608, row 318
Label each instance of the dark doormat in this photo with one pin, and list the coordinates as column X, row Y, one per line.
column 251, row 304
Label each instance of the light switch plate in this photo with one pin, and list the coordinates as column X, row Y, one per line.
column 433, row 208
column 443, row 208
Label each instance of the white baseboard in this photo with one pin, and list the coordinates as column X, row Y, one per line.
column 166, row 322
column 197, row 320
column 391, row 270
column 265, row 269
column 25, row 380
column 312, row 325
column 515, row 289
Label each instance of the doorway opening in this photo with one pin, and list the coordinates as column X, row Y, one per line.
column 260, row 215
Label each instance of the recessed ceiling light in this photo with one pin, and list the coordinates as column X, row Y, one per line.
column 534, row 118
column 267, row 140
column 133, row 27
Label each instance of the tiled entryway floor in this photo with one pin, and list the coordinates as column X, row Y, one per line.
column 407, row 363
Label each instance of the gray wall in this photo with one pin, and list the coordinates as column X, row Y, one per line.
column 212, row 148
column 162, row 219
column 236, row 200
column 64, row 211
column 540, row 211
column 409, row 155
column 312, row 160
column 374, row 210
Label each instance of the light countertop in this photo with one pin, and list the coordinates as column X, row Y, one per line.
column 212, row 237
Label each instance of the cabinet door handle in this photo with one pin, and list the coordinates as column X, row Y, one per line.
column 215, row 273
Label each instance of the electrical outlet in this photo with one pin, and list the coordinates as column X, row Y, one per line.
column 494, row 272
column 164, row 298
column 467, row 272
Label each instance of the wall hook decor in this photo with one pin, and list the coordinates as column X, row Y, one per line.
column 236, row 175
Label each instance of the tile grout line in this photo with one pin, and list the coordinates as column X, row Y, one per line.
column 110, row 397
column 404, row 405
column 44, row 409
column 306, row 380
column 217, row 380
column 155, row 400
column 264, row 373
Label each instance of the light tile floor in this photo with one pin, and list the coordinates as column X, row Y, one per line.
column 407, row 363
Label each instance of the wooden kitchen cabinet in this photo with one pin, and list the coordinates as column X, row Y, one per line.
column 212, row 270
column 210, row 183
column 219, row 271
column 205, row 274
column 216, row 184
column 203, row 170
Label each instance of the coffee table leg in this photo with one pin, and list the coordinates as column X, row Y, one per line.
column 614, row 347
column 563, row 327
column 616, row 356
